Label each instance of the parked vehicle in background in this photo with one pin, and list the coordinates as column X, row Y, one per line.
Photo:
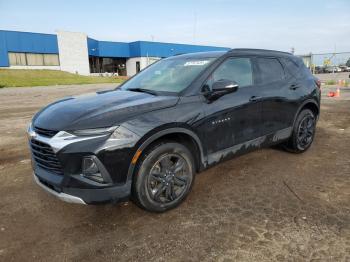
column 147, row 139
column 344, row 68
column 332, row 69
column 319, row 69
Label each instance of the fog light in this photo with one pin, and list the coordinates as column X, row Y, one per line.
column 91, row 171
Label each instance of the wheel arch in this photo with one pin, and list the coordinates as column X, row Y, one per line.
column 178, row 134
column 308, row 104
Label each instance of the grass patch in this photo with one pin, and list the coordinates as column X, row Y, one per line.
column 19, row 77
column 331, row 82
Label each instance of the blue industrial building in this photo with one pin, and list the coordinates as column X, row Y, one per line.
column 76, row 52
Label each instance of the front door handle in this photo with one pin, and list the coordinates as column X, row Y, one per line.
column 254, row 98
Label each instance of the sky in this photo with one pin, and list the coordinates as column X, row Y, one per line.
column 315, row 26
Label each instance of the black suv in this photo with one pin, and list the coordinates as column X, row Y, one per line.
column 148, row 138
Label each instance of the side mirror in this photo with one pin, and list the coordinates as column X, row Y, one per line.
column 224, row 86
column 220, row 88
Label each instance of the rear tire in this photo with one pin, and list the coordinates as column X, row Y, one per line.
column 163, row 177
column 303, row 132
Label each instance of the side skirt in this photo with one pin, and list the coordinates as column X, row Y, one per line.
column 248, row 146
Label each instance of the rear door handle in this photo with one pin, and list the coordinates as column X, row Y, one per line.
column 254, row 98
column 293, row 87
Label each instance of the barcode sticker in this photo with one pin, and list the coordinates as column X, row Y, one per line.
column 196, row 63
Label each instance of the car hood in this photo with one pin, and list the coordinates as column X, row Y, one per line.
column 96, row 110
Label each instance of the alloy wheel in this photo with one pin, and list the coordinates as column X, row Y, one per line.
column 168, row 178
column 306, row 131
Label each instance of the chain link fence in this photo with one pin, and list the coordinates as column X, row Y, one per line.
column 327, row 62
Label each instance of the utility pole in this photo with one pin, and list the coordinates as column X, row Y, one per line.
column 194, row 27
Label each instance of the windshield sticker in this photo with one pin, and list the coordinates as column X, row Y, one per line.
column 196, row 63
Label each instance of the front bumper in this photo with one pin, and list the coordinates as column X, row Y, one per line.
column 52, row 183
column 57, row 166
column 62, row 196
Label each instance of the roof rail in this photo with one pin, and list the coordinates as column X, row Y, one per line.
column 258, row 50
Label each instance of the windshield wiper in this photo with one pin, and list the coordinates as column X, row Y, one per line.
column 143, row 90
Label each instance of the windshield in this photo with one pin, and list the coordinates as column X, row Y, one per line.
column 168, row 75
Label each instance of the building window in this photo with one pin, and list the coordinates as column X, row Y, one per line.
column 51, row 60
column 17, row 58
column 35, row 59
column 31, row 59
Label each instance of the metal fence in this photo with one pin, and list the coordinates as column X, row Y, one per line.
column 327, row 62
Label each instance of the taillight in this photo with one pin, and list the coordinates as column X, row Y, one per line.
column 318, row 83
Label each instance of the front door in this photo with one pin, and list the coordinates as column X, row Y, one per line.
column 234, row 118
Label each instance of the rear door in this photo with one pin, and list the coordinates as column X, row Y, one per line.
column 278, row 94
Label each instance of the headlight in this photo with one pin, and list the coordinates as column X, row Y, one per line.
column 94, row 131
column 122, row 133
column 116, row 133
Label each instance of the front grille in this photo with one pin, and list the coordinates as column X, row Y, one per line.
column 45, row 132
column 44, row 157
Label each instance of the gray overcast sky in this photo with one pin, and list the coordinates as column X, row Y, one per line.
column 308, row 26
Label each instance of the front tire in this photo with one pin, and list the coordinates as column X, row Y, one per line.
column 303, row 132
column 163, row 176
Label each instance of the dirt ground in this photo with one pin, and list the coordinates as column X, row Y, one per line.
column 263, row 206
column 334, row 76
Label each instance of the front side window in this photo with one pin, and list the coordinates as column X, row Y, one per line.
column 235, row 69
column 270, row 69
column 168, row 75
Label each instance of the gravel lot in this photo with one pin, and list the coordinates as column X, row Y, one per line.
column 263, row 206
column 334, row 76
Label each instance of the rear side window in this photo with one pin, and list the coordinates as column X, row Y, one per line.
column 270, row 70
column 292, row 66
column 235, row 69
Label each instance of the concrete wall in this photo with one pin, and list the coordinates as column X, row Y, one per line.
column 73, row 51
column 144, row 62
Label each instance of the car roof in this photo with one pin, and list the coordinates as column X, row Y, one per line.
column 235, row 51
column 213, row 54
column 263, row 52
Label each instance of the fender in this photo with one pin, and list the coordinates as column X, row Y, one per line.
column 307, row 101
column 161, row 133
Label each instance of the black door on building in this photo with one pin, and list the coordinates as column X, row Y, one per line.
column 138, row 68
